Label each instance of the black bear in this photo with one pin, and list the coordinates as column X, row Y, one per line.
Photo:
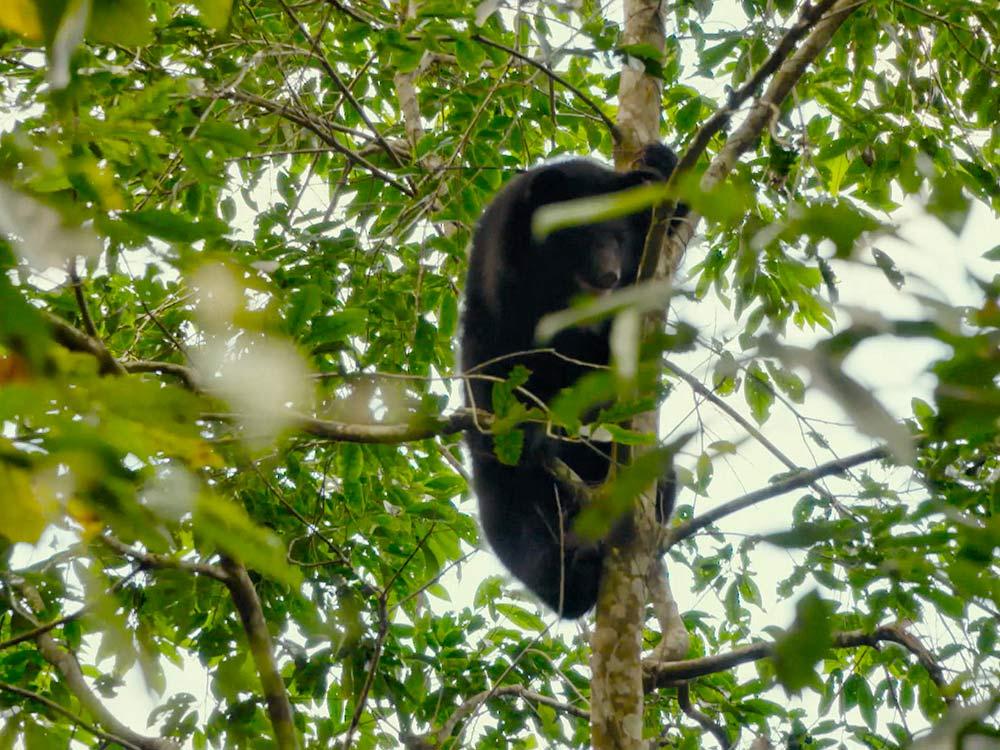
column 513, row 281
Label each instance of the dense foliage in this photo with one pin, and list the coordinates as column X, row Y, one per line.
column 233, row 243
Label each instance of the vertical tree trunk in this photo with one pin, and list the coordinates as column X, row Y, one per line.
column 616, row 683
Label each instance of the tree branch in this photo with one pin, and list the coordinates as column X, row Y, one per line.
column 698, row 387
column 808, row 17
column 78, row 341
column 667, row 674
column 335, row 77
column 383, row 633
column 615, row 132
column 420, row 427
column 742, row 139
column 468, row 707
column 802, row 479
column 318, row 127
column 72, row 717
column 154, row 560
column 705, row 721
column 67, row 665
column 247, row 604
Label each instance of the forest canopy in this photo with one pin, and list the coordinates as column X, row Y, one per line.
column 234, row 503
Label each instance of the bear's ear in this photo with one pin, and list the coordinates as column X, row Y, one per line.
column 659, row 159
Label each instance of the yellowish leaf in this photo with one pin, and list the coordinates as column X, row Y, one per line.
column 23, row 516
column 215, row 13
column 838, row 168
column 21, row 17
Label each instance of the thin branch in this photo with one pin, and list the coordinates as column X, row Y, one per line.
column 674, row 637
column 615, row 132
column 667, row 674
column 81, row 300
column 66, row 663
column 698, row 387
column 248, row 606
column 706, row 722
column 468, row 707
column 30, row 635
column 420, row 428
column 78, row 341
column 808, row 17
column 743, row 138
column 383, row 633
column 335, row 77
column 954, row 28
column 163, row 329
column 72, row 717
column 437, row 577
column 318, row 127
column 187, row 375
column 902, row 637
column 797, row 481
column 167, row 562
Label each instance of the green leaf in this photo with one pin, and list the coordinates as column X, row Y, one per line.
column 350, row 461
column 448, row 315
column 618, row 495
column 798, row 651
column 593, row 209
column 240, row 140
column 172, row 227
column 227, row 526
column 508, row 446
column 949, row 203
column 886, row 265
column 808, row 534
column 758, row 394
column 522, row 617
column 215, row 12
column 840, row 222
column 470, row 55
column 124, row 22
column 305, row 304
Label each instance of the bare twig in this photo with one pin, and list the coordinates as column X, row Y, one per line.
column 802, row 479
column 698, row 387
column 318, row 127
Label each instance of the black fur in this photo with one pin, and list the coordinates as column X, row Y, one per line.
column 513, row 281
